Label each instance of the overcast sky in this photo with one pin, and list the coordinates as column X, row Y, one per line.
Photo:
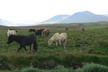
column 23, row 11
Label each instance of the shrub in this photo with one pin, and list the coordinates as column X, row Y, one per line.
column 4, row 63
column 61, row 69
column 95, row 59
column 72, row 61
column 93, row 68
column 48, row 64
column 35, row 63
column 19, row 61
column 30, row 70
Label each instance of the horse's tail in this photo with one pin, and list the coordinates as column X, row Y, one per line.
column 35, row 45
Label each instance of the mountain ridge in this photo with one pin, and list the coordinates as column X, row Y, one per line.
column 79, row 17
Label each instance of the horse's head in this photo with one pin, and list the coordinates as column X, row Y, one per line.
column 10, row 39
column 50, row 42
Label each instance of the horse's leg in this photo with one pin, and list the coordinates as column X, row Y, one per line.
column 42, row 33
column 59, row 42
column 30, row 48
column 46, row 34
column 24, row 48
column 56, row 43
column 19, row 48
column 65, row 48
column 64, row 44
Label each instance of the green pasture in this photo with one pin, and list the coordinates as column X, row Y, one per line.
column 83, row 47
column 78, row 42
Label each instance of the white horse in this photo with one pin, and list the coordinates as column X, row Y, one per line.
column 53, row 39
column 60, row 39
column 11, row 32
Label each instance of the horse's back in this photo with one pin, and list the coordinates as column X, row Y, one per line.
column 63, row 36
column 30, row 38
column 11, row 32
column 55, row 36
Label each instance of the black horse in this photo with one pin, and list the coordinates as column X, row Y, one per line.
column 24, row 41
column 37, row 32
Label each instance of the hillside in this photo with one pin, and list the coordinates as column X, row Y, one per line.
column 101, row 24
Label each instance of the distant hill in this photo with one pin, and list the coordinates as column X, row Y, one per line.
column 92, row 25
column 79, row 17
column 56, row 19
column 5, row 23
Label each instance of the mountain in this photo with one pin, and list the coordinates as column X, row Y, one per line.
column 56, row 18
column 79, row 17
column 6, row 23
column 23, row 23
column 85, row 16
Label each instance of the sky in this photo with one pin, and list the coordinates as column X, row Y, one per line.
column 33, row 11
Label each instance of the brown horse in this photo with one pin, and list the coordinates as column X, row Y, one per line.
column 46, row 32
column 83, row 29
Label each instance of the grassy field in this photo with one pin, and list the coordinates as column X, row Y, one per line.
column 82, row 47
column 94, row 39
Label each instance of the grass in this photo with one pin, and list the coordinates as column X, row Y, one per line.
column 90, row 39
column 82, row 47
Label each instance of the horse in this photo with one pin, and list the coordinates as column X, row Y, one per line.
column 60, row 39
column 53, row 39
column 11, row 32
column 37, row 32
column 46, row 32
column 66, row 28
column 41, row 29
column 83, row 29
column 23, row 41
column 31, row 30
